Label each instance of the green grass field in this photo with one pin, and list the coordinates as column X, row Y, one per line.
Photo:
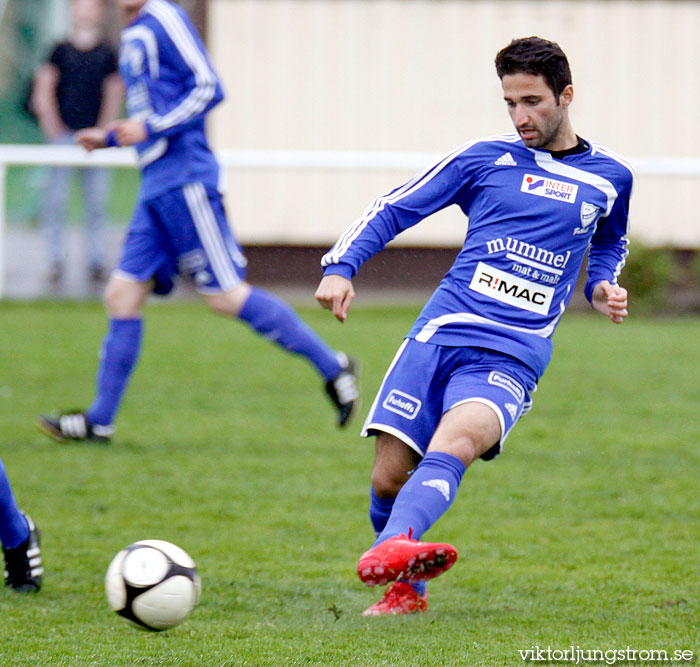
column 584, row 532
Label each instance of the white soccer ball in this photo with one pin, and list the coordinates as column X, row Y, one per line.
column 153, row 584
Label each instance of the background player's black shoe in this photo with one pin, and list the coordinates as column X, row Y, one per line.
column 73, row 426
column 23, row 568
column 344, row 391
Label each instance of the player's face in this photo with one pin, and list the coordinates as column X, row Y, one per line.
column 540, row 119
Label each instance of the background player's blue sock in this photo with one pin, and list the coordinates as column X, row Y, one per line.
column 118, row 355
column 379, row 512
column 278, row 322
column 425, row 497
column 13, row 526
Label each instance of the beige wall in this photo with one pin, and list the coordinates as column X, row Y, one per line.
column 417, row 75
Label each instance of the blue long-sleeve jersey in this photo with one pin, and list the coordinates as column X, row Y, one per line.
column 531, row 219
column 170, row 85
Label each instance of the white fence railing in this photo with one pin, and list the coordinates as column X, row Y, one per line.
column 38, row 155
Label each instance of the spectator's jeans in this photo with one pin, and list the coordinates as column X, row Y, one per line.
column 96, row 183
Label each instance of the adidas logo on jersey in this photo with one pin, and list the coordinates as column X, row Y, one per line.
column 512, row 409
column 506, row 160
column 441, row 485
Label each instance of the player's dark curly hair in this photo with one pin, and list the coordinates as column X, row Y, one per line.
column 534, row 55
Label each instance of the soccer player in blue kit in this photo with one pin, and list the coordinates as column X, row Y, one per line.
column 537, row 200
column 179, row 223
column 20, row 542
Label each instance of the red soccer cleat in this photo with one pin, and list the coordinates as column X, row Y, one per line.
column 403, row 558
column 399, row 598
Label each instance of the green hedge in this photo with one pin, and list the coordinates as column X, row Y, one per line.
column 662, row 279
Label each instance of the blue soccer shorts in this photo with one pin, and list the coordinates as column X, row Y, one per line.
column 182, row 232
column 424, row 381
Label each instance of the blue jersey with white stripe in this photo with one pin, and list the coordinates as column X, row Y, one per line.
column 531, row 219
column 170, row 85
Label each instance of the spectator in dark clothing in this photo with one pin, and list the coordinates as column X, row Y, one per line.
column 77, row 87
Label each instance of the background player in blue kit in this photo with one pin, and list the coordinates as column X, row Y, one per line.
column 20, row 542
column 537, row 201
column 179, row 224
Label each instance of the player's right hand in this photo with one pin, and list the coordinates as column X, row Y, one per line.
column 335, row 293
column 91, row 138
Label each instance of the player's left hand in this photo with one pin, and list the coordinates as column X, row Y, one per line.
column 611, row 300
column 128, row 132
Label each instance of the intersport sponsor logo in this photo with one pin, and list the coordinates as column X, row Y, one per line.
column 510, row 289
column 547, row 187
column 402, row 404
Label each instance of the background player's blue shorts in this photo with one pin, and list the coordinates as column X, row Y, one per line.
column 424, row 381
column 183, row 231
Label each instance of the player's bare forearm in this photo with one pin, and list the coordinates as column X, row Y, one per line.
column 335, row 293
column 610, row 300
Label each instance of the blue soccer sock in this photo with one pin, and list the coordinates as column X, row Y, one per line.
column 118, row 355
column 425, row 497
column 278, row 322
column 379, row 512
column 13, row 526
